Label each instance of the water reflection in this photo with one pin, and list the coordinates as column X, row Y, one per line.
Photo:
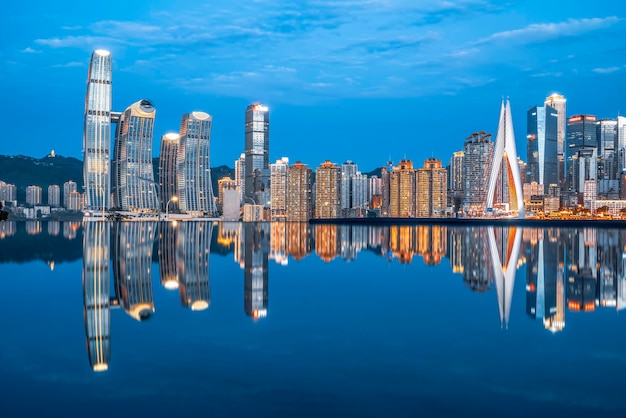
column 566, row 270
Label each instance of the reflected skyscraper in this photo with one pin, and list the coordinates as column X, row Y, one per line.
column 327, row 241
column 132, row 263
column 134, row 188
column 192, row 256
column 97, row 132
column 298, row 239
column 256, row 255
column 96, row 294
column 167, row 255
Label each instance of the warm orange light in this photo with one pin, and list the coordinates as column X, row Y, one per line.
column 573, row 306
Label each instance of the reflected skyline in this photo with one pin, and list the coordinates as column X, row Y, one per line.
column 564, row 271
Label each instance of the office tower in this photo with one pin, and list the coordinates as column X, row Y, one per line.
column 75, row 201
column 581, row 151
column 402, row 191
column 299, row 188
column 348, row 171
column 168, row 271
column 33, row 195
column 240, row 175
column 278, row 187
column 96, row 293
column 558, row 103
column 505, row 154
column 478, row 156
column 194, row 165
column 167, row 170
column 132, row 262
column 54, row 195
column 255, row 267
column 68, row 187
column 608, row 159
column 432, row 186
column 192, row 255
column 134, row 188
column 97, row 133
column 257, row 142
column 455, row 177
column 327, row 191
column 541, row 135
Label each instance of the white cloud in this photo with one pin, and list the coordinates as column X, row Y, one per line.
column 70, row 64
column 606, row 70
column 29, row 50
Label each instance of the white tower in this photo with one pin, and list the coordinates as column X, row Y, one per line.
column 505, row 147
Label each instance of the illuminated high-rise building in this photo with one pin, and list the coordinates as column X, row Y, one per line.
column 54, row 195
column 432, row 187
column 240, row 175
column 505, row 160
column 327, row 191
column 33, row 195
column 455, row 178
column 278, row 182
column 402, row 191
column 257, row 143
column 223, row 184
column 97, row 133
column 558, row 103
column 478, row 155
column 581, row 152
column 134, row 189
column 542, row 134
column 96, row 293
column 75, row 201
column 348, row 171
column 132, row 263
column 167, row 170
column 607, row 149
column 194, row 165
column 168, row 272
column 68, row 187
column 299, row 189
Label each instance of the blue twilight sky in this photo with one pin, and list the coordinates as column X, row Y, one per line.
column 358, row 79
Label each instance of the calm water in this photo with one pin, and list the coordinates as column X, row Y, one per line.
column 260, row 320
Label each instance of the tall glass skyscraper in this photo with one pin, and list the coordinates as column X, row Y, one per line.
column 257, row 152
column 194, row 165
column 97, row 132
column 542, row 135
column 167, row 170
column 134, row 188
column 581, row 151
column 558, row 102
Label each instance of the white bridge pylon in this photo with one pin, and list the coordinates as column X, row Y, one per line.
column 504, row 271
column 505, row 142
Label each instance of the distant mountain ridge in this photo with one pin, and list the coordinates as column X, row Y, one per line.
column 24, row 171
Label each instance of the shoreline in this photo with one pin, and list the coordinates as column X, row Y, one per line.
column 528, row 222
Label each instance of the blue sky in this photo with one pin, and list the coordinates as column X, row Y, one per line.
column 359, row 79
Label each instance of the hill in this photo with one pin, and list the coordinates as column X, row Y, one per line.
column 24, row 171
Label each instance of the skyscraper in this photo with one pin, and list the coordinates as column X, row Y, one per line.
column 167, row 170
column 299, row 190
column 478, row 156
column 134, row 188
column 240, row 175
column 581, row 152
column 402, row 191
column 257, row 143
column 558, row 103
column 348, row 171
column 54, row 195
column 193, row 165
column 97, row 132
column 541, row 129
column 431, row 189
column 33, row 195
column 278, row 181
column 68, row 187
column 327, row 191
column 505, row 153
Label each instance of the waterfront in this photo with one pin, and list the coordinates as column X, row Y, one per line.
column 283, row 319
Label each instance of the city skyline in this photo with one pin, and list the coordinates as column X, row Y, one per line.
column 361, row 74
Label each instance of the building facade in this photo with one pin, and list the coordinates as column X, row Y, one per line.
column 134, row 189
column 278, row 187
column 54, row 196
column 558, row 103
column 194, row 165
column 478, row 156
column 299, row 190
column 97, row 132
column 328, row 191
column 257, row 145
column 432, row 187
column 581, row 152
column 33, row 195
column 168, row 184
column 542, row 155
column 402, row 191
